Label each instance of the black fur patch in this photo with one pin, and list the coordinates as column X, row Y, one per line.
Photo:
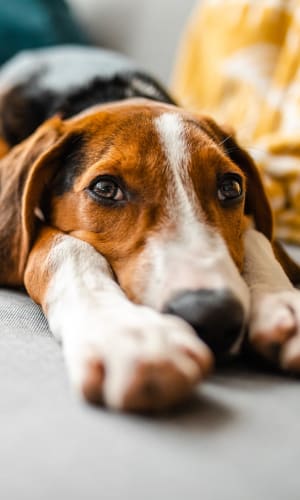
column 24, row 107
column 22, row 110
column 71, row 165
column 99, row 91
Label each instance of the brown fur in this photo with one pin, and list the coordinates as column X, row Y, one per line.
column 17, row 204
column 118, row 140
column 4, row 148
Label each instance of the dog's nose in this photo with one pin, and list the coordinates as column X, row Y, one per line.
column 216, row 315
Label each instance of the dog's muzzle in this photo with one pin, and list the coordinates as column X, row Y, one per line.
column 216, row 315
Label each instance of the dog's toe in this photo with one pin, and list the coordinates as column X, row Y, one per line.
column 93, row 382
column 290, row 355
column 151, row 363
column 274, row 329
column 155, row 386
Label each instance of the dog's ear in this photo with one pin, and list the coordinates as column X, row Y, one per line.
column 257, row 204
column 25, row 173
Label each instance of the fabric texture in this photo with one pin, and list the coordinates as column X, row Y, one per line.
column 236, row 439
column 36, row 23
column 239, row 61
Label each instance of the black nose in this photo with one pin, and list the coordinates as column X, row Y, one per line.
column 216, row 315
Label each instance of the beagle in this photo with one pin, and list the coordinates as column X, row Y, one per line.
column 142, row 230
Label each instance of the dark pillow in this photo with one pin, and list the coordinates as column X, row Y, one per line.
column 36, row 23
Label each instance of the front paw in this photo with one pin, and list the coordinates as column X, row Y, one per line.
column 137, row 361
column 274, row 329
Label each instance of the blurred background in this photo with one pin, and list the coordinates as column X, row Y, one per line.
column 146, row 30
column 236, row 60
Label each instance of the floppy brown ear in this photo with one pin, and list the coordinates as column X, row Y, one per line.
column 257, row 204
column 24, row 173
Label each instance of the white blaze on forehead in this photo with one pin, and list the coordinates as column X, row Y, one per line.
column 171, row 131
column 170, row 127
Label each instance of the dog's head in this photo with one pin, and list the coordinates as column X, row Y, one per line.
column 164, row 195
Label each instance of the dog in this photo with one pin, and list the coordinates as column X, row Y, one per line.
column 142, row 229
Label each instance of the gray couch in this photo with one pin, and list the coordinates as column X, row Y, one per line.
column 238, row 438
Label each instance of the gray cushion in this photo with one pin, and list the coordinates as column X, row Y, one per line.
column 237, row 439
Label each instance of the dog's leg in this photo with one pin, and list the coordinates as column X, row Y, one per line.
column 125, row 355
column 274, row 329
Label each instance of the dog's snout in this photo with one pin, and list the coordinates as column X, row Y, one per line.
column 216, row 315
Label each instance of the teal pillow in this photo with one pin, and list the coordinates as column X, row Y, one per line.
column 36, row 23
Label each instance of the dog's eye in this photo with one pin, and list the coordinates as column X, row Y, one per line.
column 230, row 188
column 107, row 189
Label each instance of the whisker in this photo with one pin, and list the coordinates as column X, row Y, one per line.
column 232, row 150
column 226, row 139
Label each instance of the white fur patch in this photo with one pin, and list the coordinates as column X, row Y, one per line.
column 94, row 320
column 262, row 270
column 170, row 127
column 171, row 130
column 275, row 303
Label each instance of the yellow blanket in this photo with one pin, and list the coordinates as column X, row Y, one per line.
column 239, row 61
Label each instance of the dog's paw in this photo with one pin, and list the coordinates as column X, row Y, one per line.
column 138, row 361
column 274, row 329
